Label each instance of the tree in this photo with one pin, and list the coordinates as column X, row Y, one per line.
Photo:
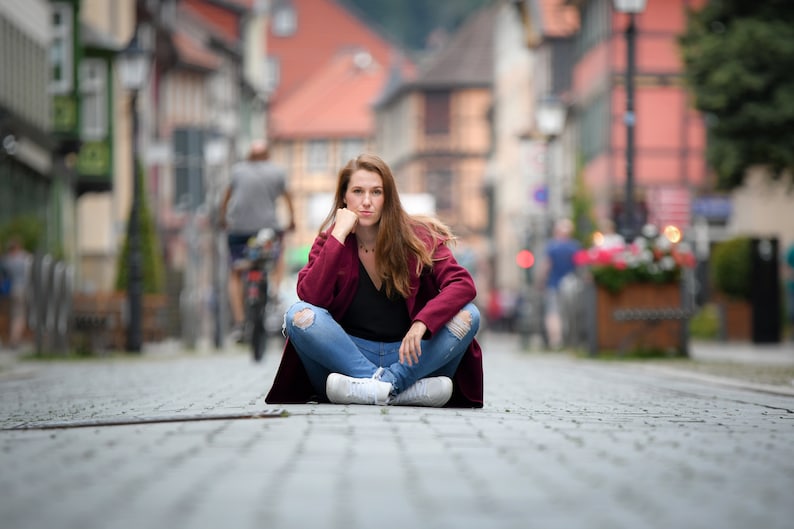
column 152, row 261
column 739, row 63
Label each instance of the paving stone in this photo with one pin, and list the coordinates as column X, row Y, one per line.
column 561, row 443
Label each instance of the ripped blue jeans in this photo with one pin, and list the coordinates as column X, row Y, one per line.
column 325, row 348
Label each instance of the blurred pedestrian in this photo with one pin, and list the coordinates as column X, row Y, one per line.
column 558, row 262
column 386, row 313
column 250, row 204
column 17, row 264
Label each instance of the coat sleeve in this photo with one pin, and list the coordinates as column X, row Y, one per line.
column 444, row 290
column 318, row 281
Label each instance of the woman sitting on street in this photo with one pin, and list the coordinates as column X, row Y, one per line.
column 386, row 314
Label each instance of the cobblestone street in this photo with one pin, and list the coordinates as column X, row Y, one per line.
column 186, row 440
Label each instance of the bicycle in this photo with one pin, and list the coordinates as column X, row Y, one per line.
column 261, row 254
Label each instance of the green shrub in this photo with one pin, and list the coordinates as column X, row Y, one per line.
column 731, row 267
column 705, row 323
column 28, row 228
column 582, row 205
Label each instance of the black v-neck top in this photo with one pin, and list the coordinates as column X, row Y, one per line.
column 374, row 316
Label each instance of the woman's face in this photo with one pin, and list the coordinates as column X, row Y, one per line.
column 364, row 196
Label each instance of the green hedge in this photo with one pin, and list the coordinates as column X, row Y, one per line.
column 28, row 228
column 731, row 267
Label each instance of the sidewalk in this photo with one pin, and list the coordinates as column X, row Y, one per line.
column 767, row 368
column 779, row 354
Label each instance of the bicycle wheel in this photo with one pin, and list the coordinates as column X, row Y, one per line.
column 258, row 331
column 258, row 338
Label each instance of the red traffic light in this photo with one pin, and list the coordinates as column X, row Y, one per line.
column 525, row 259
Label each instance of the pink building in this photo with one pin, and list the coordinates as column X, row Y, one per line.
column 669, row 161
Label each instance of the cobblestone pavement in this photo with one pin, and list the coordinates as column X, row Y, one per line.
column 166, row 441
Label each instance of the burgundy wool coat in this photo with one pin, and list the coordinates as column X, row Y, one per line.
column 329, row 280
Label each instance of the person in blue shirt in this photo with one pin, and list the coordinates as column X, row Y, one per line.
column 558, row 262
column 17, row 263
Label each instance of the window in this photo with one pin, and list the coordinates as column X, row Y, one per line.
column 594, row 128
column 272, row 73
column 437, row 112
column 61, row 59
column 439, row 184
column 317, row 156
column 349, row 150
column 595, row 25
column 285, row 21
column 93, row 88
column 188, row 167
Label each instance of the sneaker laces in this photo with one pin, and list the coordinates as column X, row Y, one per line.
column 434, row 391
column 365, row 389
column 416, row 391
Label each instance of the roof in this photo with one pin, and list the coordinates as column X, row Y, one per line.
column 336, row 102
column 467, row 58
column 221, row 22
column 193, row 53
column 324, row 29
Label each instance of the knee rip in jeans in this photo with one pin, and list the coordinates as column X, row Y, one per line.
column 460, row 324
column 303, row 318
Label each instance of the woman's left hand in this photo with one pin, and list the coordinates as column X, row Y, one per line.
column 411, row 348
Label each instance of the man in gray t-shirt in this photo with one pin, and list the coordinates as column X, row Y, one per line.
column 248, row 206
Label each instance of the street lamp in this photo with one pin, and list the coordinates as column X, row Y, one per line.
column 550, row 116
column 133, row 64
column 550, row 121
column 216, row 154
column 631, row 8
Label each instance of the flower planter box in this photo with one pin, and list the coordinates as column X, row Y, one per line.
column 642, row 316
column 101, row 319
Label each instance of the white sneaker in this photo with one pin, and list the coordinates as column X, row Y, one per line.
column 433, row 392
column 342, row 389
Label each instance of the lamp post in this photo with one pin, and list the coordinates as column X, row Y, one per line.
column 216, row 154
column 550, row 121
column 631, row 8
column 133, row 65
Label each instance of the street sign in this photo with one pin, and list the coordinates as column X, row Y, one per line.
column 541, row 195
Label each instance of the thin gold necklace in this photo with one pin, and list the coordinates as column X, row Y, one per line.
column 366, row 250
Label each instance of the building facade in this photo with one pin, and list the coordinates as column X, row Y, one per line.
column 323, row 86
column 37, row 162
column 669, row 161
column 436, row 133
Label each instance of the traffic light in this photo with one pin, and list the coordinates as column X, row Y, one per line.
column 525, row 259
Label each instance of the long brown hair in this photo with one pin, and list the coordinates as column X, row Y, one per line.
column 400, row 235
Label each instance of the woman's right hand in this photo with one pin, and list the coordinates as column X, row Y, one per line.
column 345, row 224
